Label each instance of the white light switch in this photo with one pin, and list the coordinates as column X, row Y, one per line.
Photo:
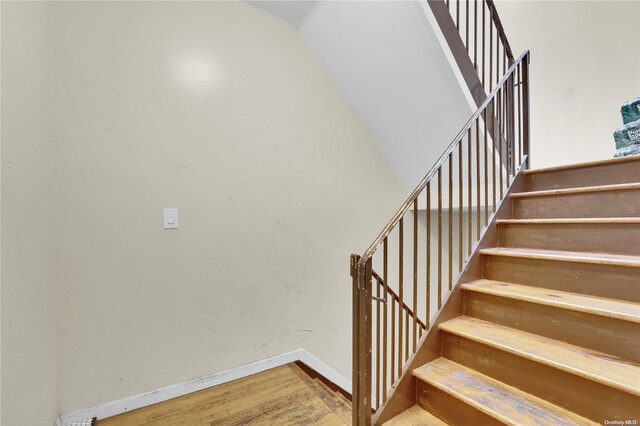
column 170, row 218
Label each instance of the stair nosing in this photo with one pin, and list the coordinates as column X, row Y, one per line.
column 473, row 286
column 574, row 166
column 429, row 415
column 536, row 357
column 524, row 396
column 577, row 220
column 565, row 256
column 577, row 190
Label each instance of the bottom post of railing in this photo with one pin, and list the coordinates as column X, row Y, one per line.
column 361, row 377
column 355, row 338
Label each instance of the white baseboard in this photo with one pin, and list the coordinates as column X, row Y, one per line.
column 172, row 391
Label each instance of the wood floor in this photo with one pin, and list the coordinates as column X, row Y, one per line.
column 285, row 395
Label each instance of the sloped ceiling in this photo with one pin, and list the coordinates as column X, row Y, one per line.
column 293, row 12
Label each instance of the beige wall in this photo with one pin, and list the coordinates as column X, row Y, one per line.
column 585, row 62
column 222, row 111
column 28, row 294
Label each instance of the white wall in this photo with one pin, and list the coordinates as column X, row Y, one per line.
column 585, row 62
column 386, row 59
column 28, row 293
column 222, row 111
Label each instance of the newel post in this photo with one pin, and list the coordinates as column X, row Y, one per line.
column 361, row 372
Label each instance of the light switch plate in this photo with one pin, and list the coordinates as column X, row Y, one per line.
column 170, row 218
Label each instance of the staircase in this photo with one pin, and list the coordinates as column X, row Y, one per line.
column 550, row 333
column 498, row 294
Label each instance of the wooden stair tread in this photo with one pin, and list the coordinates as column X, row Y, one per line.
column 337, row 401
column 330, row 398
column 619, row 309
column 579, row 190
column 565, row 256
column 578, row 220
column 343, row 398
column 593, row 365
column 583, row 165
column 415, row 416
column 496, row 399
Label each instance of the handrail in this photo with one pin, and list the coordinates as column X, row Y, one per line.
column 423, row 183
column 500, row 28
column 490, row 149
column 485, row 150
column 468, row 27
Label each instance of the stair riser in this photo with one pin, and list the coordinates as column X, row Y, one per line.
column 450, row 409
column 594, row 237
column 622, row 282
column 603, row 334
column 577, row 394
column 591, row 204
column 606, row 174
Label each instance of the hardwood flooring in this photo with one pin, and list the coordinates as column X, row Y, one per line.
column 285, row 395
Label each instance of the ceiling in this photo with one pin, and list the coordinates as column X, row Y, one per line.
column 291, row 11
